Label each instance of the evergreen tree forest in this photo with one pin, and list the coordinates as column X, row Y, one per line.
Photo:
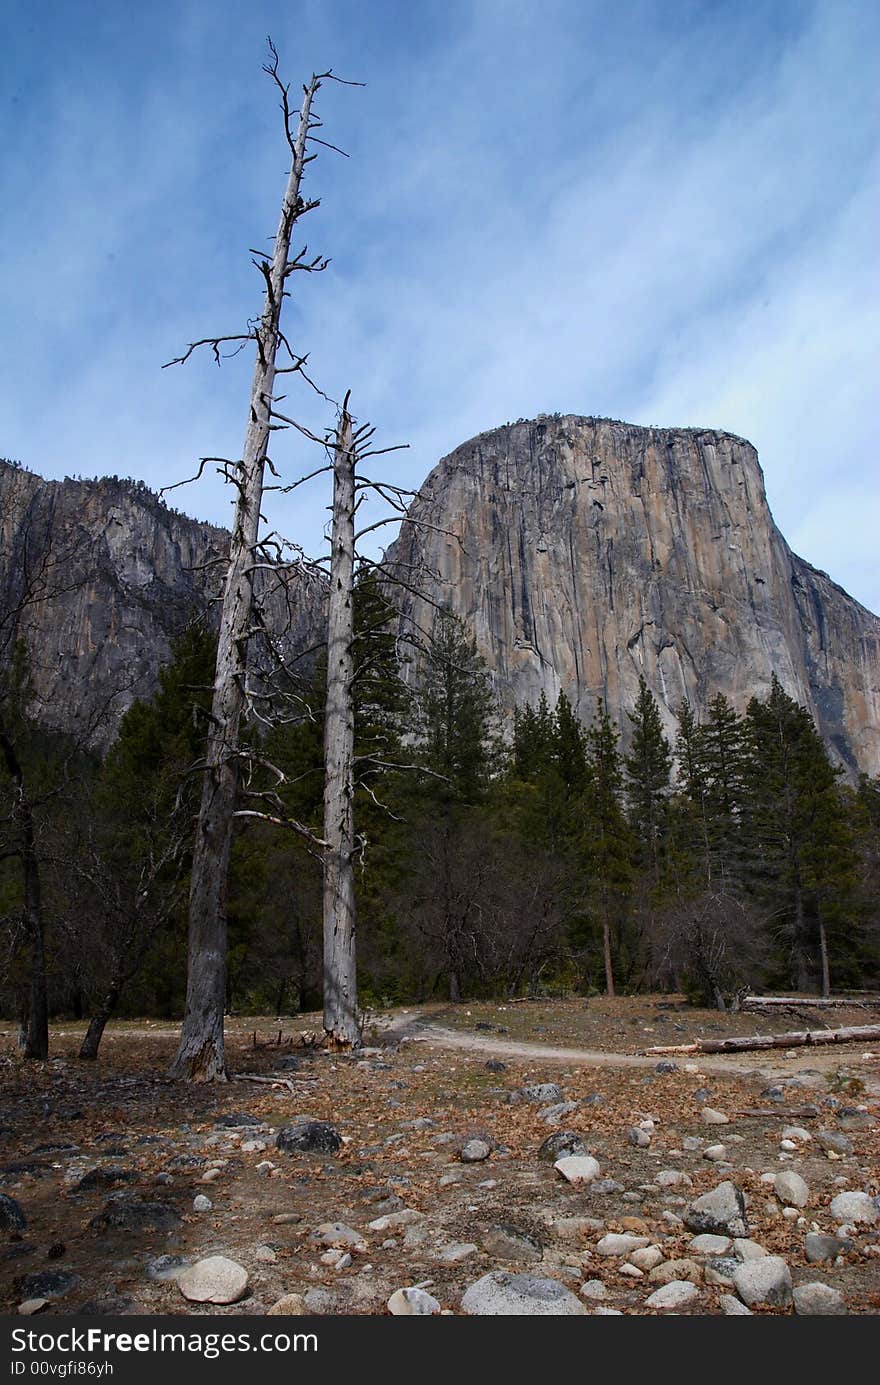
column 541, row 858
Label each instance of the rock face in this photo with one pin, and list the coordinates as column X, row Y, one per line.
column 584, row 552
column 124, row 574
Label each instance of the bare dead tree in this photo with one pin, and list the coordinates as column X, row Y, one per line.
column 201, row 1056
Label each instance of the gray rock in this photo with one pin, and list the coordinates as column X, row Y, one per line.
column 621, row 1243
column 819, row 1248
column 834, row 1140
column 593, row 1289
column 520, row 1295
column 48, row 1284
column 675, row 1294
column 561, row 1144
column 412, row 1303
column 508, row 1242
column 640, row 1138
column 12, row 1218
column 552, row 1115
column 202, row 1203
column 495, row 1065
column 104, row 1178
column 666, row 1066
column 475, row 1151
column 709, row 1116
column 543, row 1092
column 164, row 1267
column 722, row 1211
column 337, row 1236
column 237, row 1119
column 308, row 1136
column 855, row 1208
column 791, row 1189
column 817, row 1298
column 734, row 1307
column 125, row 1212
column 710, row 1245
column 764, row 1282
column 578, row 1168
column 457, row 1253
column 215, row 1279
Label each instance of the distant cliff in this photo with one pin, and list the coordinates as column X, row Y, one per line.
column 585, row 552
column 118, row 575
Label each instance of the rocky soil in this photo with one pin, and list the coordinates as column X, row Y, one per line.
column 410, row 1179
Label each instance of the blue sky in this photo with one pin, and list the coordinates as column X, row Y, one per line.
column 657, row 210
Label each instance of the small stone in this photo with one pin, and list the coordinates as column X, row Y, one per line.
column 734, row 1307
column 202, row 1203
column 577, row 1168
column 215, row 1279
column 788, row 1146
column 819, row 1248
column 165, row 1267
column 673, row 1178
column 266, row 1255
column 475, row 1151
column 126, row 1212
column 856, row 1208
column 561, row 1144
column 407, row 1216
column 673, row 1295
column 48, row 1284
column 500, row 1294
column 640, row 1138
column 237, row 1119
column 286, row 1219
column 710, row 1245
column 31, row 1306
column 766, row 1281
column 798, row 1133
column 722, row 1210
column 715, row 1152
column 818, row 1299
column 289, row 1306
column 709, row 1116
column 338, row 1236
column 618, row 1243
column 543, row 1092
column 791, row 1189
column 12, row 1218
column 508, row 1242
column 308, row 1136
column 745, row 1249
column 412, row 1303
column 594, row 1289
column 495, row 1065
column 666, row 1067
column 455, row 1254
column 690, row 1270
column 834, row 1141
column 552, row 1115
column 631, row 1271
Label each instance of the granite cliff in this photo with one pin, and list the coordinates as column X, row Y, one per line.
column 119, row 574
column 585, row 552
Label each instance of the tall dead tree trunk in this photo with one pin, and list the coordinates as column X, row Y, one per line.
column 35, row 1026
column 341, row 1020
column 823, row 958
column 200, row 1055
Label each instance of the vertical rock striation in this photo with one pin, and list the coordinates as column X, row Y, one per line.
column 585, row 552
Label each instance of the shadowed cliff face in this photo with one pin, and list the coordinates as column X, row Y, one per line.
column 585, row 552
column 120, row 575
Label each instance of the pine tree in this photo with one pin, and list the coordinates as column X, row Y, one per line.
column 799, row 831
column 648, row 767
column 607, row 840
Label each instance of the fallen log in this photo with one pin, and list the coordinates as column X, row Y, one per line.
column 787, row 1002
column 864, row 1033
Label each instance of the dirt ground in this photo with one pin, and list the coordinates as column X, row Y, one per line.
column 404, row 1108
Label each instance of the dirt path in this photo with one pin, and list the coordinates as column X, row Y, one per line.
column 769, row 1062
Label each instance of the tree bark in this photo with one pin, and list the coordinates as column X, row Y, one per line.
column 36, row 1024
column 201, row 1055
column 341, row 1021
column 823, row 957
column 98, row 1023
column 609, row 968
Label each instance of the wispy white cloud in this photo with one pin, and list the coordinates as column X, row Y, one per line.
column 664, row 216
